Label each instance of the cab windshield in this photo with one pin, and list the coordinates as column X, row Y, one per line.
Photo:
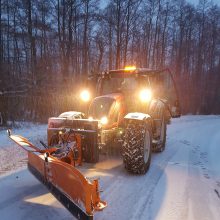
column 126, row 85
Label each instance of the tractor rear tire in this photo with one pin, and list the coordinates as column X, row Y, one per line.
column 136, row 149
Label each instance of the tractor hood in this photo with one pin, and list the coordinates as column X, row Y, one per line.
column 103, row 112
column 103, row 107
column 116, row 96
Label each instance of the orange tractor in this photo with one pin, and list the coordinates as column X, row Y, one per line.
column 129, row 112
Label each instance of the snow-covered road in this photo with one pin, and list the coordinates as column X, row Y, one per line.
column 183, row 182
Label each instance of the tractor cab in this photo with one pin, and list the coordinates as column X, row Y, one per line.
column 139, row 87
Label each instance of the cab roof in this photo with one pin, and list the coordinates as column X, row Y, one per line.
column 135, row 72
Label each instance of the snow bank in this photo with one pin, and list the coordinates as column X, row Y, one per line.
column 11, row 156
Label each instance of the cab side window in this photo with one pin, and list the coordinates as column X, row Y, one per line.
column 170, row 89
column 164, row 88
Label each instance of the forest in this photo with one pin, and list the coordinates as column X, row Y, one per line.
column 49, row 48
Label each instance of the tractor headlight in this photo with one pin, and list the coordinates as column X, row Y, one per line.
column 85, row 95
column 104, row 120
column 145, row 95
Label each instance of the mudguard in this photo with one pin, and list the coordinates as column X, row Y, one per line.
column 78, row 194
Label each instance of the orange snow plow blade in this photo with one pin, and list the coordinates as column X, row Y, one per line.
column 78, row 194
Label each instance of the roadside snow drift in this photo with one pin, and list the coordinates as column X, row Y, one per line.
column 183, row 182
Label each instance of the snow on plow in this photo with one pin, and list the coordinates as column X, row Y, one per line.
column 77, row 193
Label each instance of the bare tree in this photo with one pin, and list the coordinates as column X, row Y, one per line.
column 59, row 42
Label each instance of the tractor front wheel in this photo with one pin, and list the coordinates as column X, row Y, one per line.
column 162, row 139
column 136, row 149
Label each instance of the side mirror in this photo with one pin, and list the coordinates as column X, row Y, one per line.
column 175, row 110
column 9, row 132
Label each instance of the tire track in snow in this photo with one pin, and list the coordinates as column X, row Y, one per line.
column 161, row 160
column 159, row 163
column 200, row 178
column 125, row 190
column 197, row 169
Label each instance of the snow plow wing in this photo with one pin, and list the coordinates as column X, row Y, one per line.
column 78, row 194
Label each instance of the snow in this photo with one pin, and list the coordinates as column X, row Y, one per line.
column 183, row 181
column 13, row 157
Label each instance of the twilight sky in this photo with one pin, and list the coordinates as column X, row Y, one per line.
column 197, row 1
column 104, row 2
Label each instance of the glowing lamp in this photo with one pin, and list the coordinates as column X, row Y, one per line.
column 85, row 96
column 90, row 118
column 128, row 68
column 104, row 120
column 145, row 95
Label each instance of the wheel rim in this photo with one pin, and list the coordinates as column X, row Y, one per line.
column 146, row 146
